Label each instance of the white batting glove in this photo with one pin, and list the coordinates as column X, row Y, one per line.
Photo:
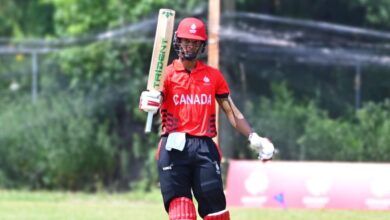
column 150, row 101
column 262, row 146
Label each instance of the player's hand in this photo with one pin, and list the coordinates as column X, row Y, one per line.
column 263, row 146
column 150, row 101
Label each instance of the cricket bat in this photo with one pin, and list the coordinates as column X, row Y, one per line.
column 160, row 55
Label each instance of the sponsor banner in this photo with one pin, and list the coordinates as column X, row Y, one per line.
column 309, row 185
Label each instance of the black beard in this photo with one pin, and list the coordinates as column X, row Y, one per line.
column 189, row 56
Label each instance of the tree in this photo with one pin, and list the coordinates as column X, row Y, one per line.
column 23, row 19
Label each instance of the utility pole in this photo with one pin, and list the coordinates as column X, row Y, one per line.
column 213, row 46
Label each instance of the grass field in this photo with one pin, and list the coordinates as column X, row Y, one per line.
column 23, row 205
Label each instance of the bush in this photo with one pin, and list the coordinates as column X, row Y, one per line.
column 373, row 122
column 301, row 131
column 54, row 143
column 330, row 139
column 283, row 119
column 361, row 138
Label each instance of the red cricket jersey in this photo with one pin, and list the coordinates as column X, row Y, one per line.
column 189, row 99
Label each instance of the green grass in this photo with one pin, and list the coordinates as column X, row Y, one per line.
column 24, row 205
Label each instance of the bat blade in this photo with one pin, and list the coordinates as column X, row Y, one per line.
column 160, row 55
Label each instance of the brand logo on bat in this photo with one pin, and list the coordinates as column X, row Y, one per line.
column 160, row 63
column 167, row 13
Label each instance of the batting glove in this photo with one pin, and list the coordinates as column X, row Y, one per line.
column 150, row 101
column 262, row 146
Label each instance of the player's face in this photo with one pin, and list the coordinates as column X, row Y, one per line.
column 189, row 45
column 189, row 48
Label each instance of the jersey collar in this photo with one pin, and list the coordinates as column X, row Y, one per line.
column 178, row 66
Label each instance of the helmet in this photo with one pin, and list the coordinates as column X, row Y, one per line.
column 191, row 28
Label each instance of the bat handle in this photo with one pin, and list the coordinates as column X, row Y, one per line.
column 149, row 120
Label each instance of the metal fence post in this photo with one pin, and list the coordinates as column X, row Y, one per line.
column 358, row 85
column 34, row 76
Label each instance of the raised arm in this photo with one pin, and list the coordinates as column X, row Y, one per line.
column 235, row 117
column 261, row 145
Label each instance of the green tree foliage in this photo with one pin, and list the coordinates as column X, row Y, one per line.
column 377, row 13
column 302, row 131
column 331, row 139
column 75, row 17
column 113, row 76
column 364, row 138
column 363, row 13
column 283, row 111
column 21, row 19
column 373, row 122
column 55, row 143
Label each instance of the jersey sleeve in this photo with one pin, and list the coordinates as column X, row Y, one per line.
column 222, row 88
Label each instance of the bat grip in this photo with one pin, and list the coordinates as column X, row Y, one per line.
column 149, row 120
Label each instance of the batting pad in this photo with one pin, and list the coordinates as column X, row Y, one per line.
column 182, row 209
column 222, row 215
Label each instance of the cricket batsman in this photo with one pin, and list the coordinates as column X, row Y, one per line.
column 188, row 159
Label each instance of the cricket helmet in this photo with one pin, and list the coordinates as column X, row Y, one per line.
column 191, row 28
